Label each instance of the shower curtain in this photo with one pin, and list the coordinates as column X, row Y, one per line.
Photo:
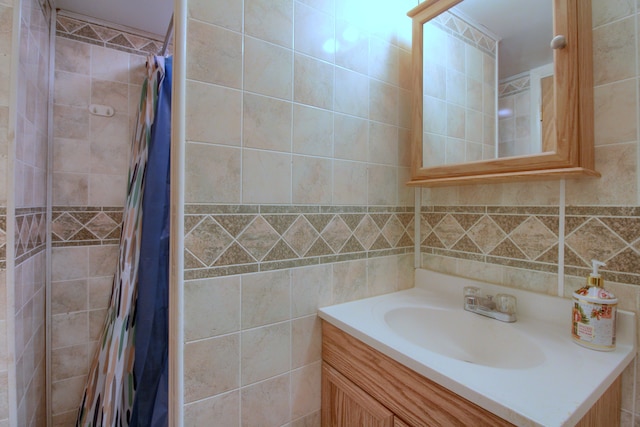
column 127, row 382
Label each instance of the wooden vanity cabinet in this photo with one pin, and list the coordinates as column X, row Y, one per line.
column 362, row 387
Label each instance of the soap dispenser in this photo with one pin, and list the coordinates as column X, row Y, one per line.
column 594, row 314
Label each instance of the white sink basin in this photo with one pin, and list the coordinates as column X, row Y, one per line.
column 465, row 336
column 510, row 369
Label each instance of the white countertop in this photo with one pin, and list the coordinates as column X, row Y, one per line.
column 557, row 392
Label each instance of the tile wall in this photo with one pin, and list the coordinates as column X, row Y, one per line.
column 296, row 156
column 459, row 101
column 514, row 122
column 30, row 200
column 510, row 233
column 6, row 55
column 90, row 165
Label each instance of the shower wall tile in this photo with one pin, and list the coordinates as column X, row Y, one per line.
column 90, row 166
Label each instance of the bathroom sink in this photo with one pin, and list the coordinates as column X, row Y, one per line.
column 509, row 369
column 465, row 336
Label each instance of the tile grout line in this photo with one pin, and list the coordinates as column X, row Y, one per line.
column 561, row 221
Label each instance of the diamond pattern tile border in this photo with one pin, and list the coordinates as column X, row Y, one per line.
column 30, row 234
column 250, row 238
column 86, row 225
column 527, row 237
column 102, row 34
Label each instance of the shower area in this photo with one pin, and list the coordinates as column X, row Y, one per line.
column 69, row 103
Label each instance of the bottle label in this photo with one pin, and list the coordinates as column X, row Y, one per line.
column 594, row 324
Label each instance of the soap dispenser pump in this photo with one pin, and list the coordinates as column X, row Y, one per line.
column 594, row 313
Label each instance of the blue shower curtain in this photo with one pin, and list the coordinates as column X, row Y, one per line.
column 152, row 316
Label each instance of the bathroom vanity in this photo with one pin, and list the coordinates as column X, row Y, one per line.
column 387, row 361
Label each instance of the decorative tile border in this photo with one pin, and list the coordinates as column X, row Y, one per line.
column 609, row 234
column 30, row 233
column 527, row 237
column 75, row 28
column 86, row 225
column 465, row 31
column 222, row 240
column 524, row 237
column 514, row 86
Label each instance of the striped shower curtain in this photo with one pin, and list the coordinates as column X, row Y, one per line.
column 109, row 394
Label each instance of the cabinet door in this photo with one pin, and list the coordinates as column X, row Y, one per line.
column 345, row 405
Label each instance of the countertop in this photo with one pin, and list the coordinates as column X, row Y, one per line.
column 556, row 392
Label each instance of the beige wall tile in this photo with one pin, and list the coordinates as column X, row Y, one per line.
column 351, row 138
column 107, row 190
column 614, row 51
column 306, row 341
column 349, row 281
column 615, row 112
column 66, row 394
column 266, row 352
column 268, row 69
column 73, row 56
column 313, row 82
column 219, row 12
column 211, row 367
column 270, row 20
column 72, row 89
column 353, row 50
column 213, row 114
column 312, row 131
column 618, row 184
column 109, row 64
column 69, row 329
column 267, row 123
column 383, row 143
column 266, row 298
column 213, row 174
column 305, row 390
column 384, row 61
column 382, row 184
column 349, row 183
column 70, row 155
column 214, row 55
column 311, row 289
column 68, row 362
column 113, row 94
column 312, row 180
column 212, row 307
column 314, row 32
column 68, row 296
column 605, row 11
column 103, row 260
column 352, row 93
column 256, row 166
column 383, row 102
column 69, row 263
column 382, row 275
column 223, row 408
column 110, row 144
column 266, row 403
column 100, row 291
column 70, row 122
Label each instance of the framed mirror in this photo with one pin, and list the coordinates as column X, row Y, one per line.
column 485, row 108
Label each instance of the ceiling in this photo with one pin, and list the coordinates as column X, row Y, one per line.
column 152, row 16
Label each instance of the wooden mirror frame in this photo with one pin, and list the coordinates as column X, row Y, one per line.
column 573, row 81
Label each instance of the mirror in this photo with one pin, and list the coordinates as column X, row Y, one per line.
column 492, row 100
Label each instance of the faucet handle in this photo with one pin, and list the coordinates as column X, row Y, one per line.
column 506, row 303
column 471, row 291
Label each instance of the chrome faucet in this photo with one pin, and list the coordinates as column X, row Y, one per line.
column 503, row 308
